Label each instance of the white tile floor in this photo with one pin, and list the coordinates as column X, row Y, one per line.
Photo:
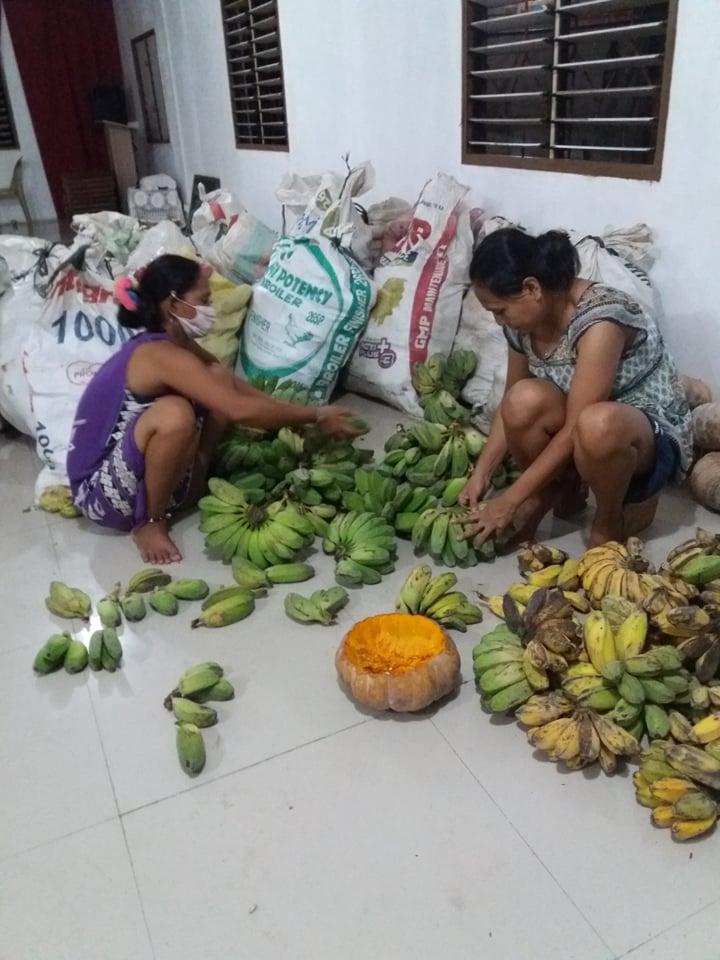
column 317, row 831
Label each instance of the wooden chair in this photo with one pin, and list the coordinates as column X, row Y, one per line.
column 16, row 193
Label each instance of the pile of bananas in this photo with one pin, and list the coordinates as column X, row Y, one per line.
column 633, row 686
column 70, row 603
column 363, row 546
column 438, row 383
column 430, row 454
column 266, row 535
column 188, row 701
column 288, row 390
column 579, row 739
column 60, row 650
column 322, row 606
column 58, row 499
column 434, row 597
column 680, row 780
column 543, row 567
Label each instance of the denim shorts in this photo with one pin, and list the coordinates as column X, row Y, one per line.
column 662, row 471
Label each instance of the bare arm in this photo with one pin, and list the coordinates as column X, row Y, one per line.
column 161, row 367
column 496, row 447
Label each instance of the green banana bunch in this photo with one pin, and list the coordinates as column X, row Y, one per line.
column 105, row 650
column 146, row 580
column 435, row 598
column 437, row 532
column 51, row 655
column 109, row 609
column 226, row 610
column 133, row 607
column 363, row 545
column 190, row 749
column 499, row 668
column 188, row 711
column 68, row 602
column 408, row 504
column 373, row 493
column 163, row 601
column 58, row 499
column 189, row 589
column 322, row 606
column 202, row 683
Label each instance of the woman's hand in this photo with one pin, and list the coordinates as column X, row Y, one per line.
column 334, row 422
column 474, row 490
column 492, row 517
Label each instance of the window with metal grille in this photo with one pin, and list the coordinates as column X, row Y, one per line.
column 254, row 60
column 147, row 71
column 8, row 137
column 570, row 85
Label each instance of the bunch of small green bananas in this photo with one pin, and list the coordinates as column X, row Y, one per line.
column 438, row 383
column 434, row 597
column 680, row 780
column 363, row 546
column 58, row 499
column 188, row 701
column 60, row 650
column 322, row 606
column 266, row 535
column 71, row 603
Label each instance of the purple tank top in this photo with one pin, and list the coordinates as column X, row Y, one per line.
column 98, row 412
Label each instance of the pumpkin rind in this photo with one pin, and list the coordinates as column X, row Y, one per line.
column 403, row 691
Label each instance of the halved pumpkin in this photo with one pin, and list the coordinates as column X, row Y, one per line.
column 398, row 661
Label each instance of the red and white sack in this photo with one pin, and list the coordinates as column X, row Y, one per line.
column 421, row 282
column 74, row 334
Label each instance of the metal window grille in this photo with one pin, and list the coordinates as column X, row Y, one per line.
column 255, row 74
column 576, row 85
column 8, row 136
column 147, row 71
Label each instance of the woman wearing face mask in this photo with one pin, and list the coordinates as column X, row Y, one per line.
column 592, row 397
column 150, row 418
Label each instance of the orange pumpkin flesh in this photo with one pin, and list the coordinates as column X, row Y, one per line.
column 398, row 661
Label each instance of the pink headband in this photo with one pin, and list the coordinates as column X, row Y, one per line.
column 125, row 293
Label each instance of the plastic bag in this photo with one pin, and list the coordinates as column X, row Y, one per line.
column 420, row 282
column 230, row 238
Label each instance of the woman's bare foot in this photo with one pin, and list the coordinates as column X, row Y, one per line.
column 572, row 496
column 154, row 543
column 631, row 519
column 528, row 516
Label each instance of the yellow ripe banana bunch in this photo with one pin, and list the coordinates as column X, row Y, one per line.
column 672, row 781
column 617, row 569
column 434, row 597
column 583, row 738
column 535, row 557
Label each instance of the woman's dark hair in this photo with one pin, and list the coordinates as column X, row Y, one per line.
column 505, row 259
column 162, row 277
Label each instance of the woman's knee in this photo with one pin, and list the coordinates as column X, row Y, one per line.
column 599, row 430
column 530, row 402
column 169, row 416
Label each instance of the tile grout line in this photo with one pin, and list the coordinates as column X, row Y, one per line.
column 657, row 936
column 250, row 766
column 65, row 836
column 522, row 838
column 119, row 818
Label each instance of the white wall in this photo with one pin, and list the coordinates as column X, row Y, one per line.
column 381, row 79
column 37, row 192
